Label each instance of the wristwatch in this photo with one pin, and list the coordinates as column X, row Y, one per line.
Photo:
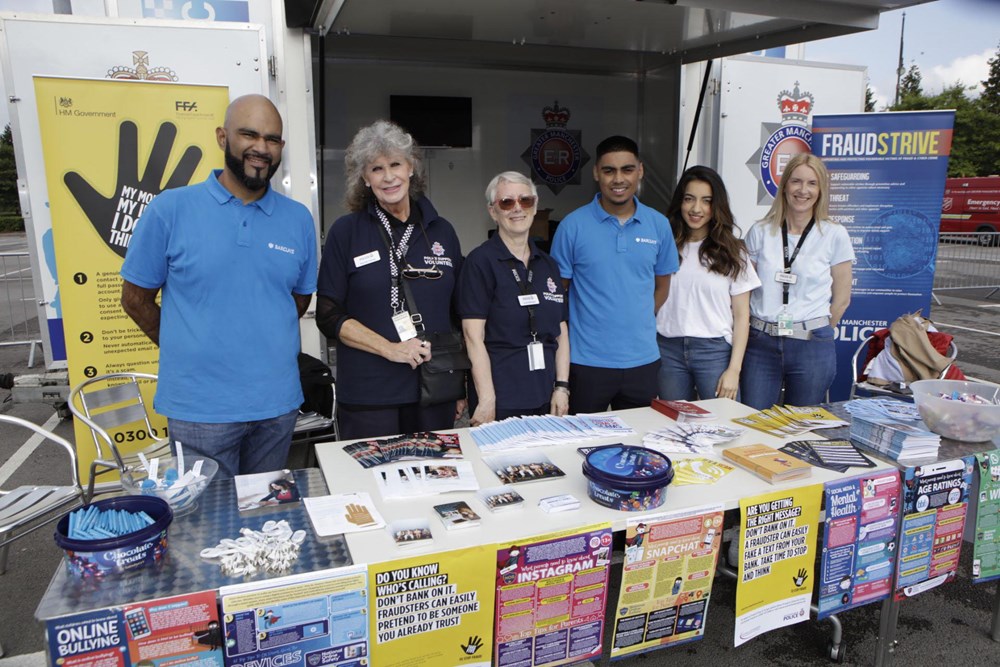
column 560, row 384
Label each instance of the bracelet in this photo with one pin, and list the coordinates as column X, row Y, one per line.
column 560, row 385
column 562, row 389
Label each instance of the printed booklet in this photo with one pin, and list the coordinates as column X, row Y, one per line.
column 411, row 533
column 526, row 466
column 768, row 463
column 457, row 515
column 266, row 489
column 500, row 498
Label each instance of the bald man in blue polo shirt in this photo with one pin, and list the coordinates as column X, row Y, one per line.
column 615, row 257
column 236, row 264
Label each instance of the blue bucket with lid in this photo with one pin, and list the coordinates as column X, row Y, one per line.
column 627, row 478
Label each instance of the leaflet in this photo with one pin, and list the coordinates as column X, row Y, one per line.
column 986, row 550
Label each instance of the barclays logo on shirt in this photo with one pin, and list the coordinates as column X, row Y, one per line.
column 639, row 239
column 282, row 248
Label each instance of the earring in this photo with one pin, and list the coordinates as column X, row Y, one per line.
column 411, row 175
column 367, row 184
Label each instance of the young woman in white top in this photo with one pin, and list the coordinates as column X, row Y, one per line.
column 702, row 327
column 804, row 261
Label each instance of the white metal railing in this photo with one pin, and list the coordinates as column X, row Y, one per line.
column 969, row 260
column 17, row 308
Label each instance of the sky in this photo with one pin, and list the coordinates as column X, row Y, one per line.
column 949, row 40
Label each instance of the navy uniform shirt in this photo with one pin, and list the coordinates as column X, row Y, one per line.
column 354, row 273
column 488, row 291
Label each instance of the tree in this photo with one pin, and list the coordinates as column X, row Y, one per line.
column 990, row 96
column 10, row 210
column 869, row 99
column 911, row 85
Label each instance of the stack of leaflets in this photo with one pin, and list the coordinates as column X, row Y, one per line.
column 899, row 441
column 682, row 411
column 699, row 471
column 690, row 438
column 500, row 498
column 266, row 489
column 457, row 515
column 783, row 421
column 411, row 533
column 410, row 447
column 541, row 430
column 888, row 408
column 768, row 463
column 836, row 455
column 526, row 466
column 407, row 480
column 343, row 513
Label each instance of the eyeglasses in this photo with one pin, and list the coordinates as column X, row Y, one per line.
column 412, row 273
column 507, row 203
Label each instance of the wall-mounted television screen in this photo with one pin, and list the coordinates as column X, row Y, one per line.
column 434, row 122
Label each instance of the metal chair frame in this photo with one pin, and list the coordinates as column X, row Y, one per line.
column 856, row 372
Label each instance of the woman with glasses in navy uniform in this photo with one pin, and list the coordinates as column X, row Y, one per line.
column 513, row 309
column 392, row 234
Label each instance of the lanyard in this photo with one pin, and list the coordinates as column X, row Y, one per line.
column 396, row 254
column 795, row 253
column 525, row 288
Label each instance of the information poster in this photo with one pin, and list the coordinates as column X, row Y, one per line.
column 308, row 620
column 434, row 609
column 777, row 552
column 887, row 173
column 551, row 594
column 667, row 578
column 170, row 632
column 935, row 501
column 859, row 541
column 110, row 147
column 986, row 552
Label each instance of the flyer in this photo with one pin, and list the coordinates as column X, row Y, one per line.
column 935, row 501
column 859, row 541
column 313, row 619
column 986, row 548
column 667, row 579
column 551, row 594
column 434, row 609
column 777, row 553
column 175, row 631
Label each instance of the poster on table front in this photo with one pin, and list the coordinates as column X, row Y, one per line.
column 551, row 594
column 777, row 553
column 887, row 173
column 307, row 620
column 110, row 147
column 935, row 502
column 666, row 579
column 169, row 632
column 859, row 541
column 986, row 547
column 435, row 609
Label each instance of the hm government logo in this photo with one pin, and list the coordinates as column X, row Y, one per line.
column 141, row 70
column 781, row 141
column 65, row 102
column 555, row 154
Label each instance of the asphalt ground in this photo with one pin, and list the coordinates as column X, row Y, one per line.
column 945, row 626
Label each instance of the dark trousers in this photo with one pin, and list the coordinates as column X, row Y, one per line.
column 593, row 389
column 364, row 423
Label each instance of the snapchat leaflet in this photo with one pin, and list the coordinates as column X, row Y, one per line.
column 777, row 551
column 667, row 578
column 435, row 609
column 110, row 147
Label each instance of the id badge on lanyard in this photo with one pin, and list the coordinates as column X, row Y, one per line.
column 404, row 325
column 536, row 356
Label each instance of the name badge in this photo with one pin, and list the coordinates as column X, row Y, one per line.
column 782, row 277
column 367, row 258
column 404, row 326
column 528, row 299
column 785, row 324
column 536, row 356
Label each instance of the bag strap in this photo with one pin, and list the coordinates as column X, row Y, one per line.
column 411, row 303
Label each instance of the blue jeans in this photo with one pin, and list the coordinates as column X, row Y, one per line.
column 805, row 367
column 240, row 448
column 688, row 364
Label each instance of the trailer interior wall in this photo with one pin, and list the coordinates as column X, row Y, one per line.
column 506, row 106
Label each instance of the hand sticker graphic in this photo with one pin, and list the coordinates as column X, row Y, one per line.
column 800, row 578
column 359, row 515
column 114, row 217
column 475, row 643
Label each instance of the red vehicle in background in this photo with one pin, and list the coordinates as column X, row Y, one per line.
column 972, row 205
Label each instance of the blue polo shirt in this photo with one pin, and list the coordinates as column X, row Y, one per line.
column 488, row 291
column 354, row 273
column 613, row 268
column 229, row 328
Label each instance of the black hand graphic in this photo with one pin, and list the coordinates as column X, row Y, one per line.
column 114, row 225
column 801, row 578
column 475, row 643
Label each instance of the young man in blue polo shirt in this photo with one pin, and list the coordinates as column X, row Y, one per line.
column 236, row 264
column 615, row 256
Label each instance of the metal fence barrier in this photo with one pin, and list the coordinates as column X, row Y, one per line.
column 17, row 308
column 968, row 261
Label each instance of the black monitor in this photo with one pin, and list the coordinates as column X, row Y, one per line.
column 435, row 122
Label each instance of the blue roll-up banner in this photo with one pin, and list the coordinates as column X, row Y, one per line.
column 887, row 173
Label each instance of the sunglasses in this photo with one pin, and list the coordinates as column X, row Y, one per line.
column 507, row 203
column 412, row 273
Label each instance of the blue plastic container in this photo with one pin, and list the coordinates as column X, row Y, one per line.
column 117, row 555
column 627, row 478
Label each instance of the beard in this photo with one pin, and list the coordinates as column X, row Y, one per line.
column 256, row 181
